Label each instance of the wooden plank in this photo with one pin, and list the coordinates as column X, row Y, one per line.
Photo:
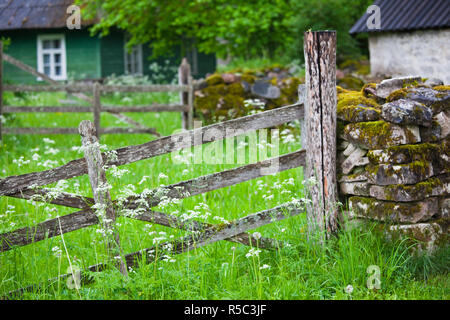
column 139, row 127
column 56, row 130
column 320, row 121
column 190, row 242
column 55, row 197
column 46, row 109
column 157, row 107
column 144, row 88
column 224, row 179
column 1, row 88
column 73, row 88
column 28, row 69
column 97, row 177
column 47, row 229
column 194, row 225
column 179, row 190
column 232, row 128
column 216, row 233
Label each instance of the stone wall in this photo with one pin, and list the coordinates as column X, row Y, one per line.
column 425, row 53
column 394, row 157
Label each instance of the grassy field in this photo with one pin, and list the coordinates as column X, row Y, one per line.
column 222, row 270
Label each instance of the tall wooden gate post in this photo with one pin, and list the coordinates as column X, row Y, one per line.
column 97, row 178
column 320, row 124
column 1, row 87
column 186, row 98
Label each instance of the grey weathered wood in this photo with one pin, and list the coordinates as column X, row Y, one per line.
column 96, row 108
column 320, row 119
column 55, row 197
column 38, row 74
column 76, row 88
column 47, row 229
column 194, row 225
column 190, row 242
column 111, row 109
column 328, row 92
column 1, row 88
column 225, row 178
column 28, row 69
column 156, row 107
column 190, row 115
column 184, row 72
column 111, row 130
column 97, row 178
column 138, row 126
column 145, row 88
column 47, row 109
column 179, row 190
column 216, row 233
column 73, row 88
column 193, row 187
column 75, row 168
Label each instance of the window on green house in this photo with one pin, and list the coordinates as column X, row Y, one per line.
column 51, row 56
column 133, row 58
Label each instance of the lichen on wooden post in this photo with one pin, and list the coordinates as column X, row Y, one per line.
column 103, row 203
column 320, row 119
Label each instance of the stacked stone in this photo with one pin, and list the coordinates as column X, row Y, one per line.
column 394, row 157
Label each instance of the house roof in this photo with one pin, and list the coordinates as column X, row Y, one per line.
column 405, row 15
column 34, row 14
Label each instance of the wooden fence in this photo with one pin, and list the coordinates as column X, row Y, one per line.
column 317, row 109
column 185, row 107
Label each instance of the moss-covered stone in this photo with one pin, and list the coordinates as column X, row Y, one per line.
column 380, row 134
column 214, row 80
column 436, row 186
column 410, row 173
column 442, row 88
column 422, row 237
column 351, row 82
column 397, row 94
column 394, row 212
column 405, row 154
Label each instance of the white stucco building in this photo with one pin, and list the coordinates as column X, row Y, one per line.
column 413, row 38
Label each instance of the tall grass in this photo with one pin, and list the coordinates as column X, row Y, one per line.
column 224, row 270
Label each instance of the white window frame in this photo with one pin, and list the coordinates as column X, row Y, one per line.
column 128, row 55
column 41, row 51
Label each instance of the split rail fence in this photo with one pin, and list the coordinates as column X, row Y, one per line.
column 318, row 109
column 185, row 107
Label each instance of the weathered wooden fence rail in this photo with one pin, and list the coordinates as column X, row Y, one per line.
column 317, row 107
column 185, row 107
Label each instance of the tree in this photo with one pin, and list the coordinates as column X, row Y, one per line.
column 224, row 27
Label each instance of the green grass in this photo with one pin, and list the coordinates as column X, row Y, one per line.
column 217, row 271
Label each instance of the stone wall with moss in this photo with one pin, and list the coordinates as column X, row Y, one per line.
column 239, row 93
column 394, row 157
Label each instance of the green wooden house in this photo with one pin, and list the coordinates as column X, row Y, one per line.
column 40, row 38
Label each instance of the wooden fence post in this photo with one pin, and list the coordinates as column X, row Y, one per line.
column 102, row 198
column 191, row 103
column 320, row 124
column 96, row 108
column 184, row 73
column 1, row 88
